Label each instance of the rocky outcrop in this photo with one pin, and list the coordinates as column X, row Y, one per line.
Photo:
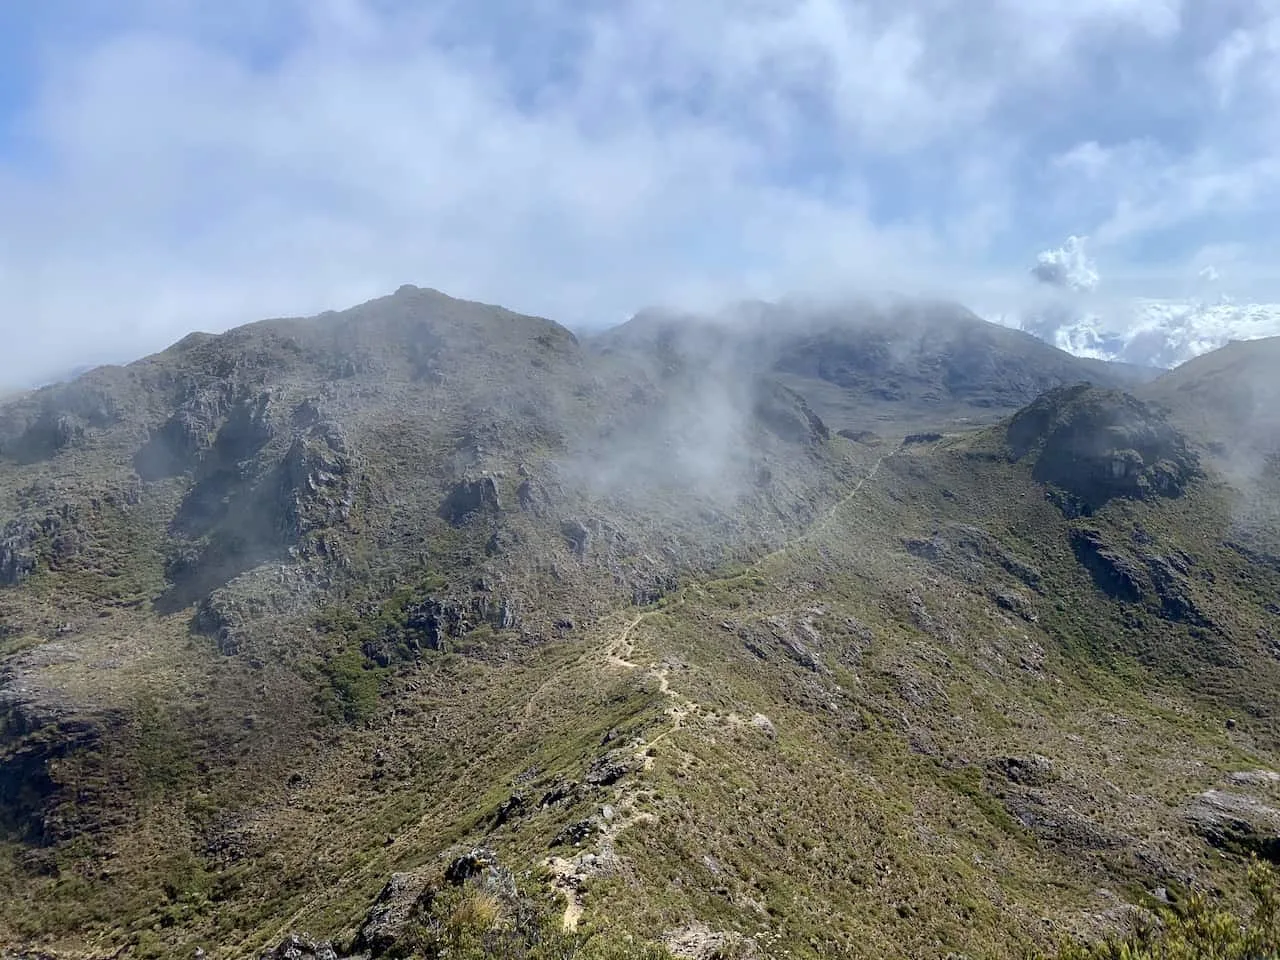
column 39, row 737
column 1236, row 823
column 610, row 768
column 866, row 437
column 297, row 947
column 966, row 551
column 317, row 486
column 699, row 942
column 796, row 638
column 56, row 538
column 178, row 444
column 788, row 416
column 1137, row 573
column 58, row 418
column 1116, row 574
column 1094, row 444
column 407, row 898
column 396, row 907
column 577, row 536
column 1032, row 771
column 471, row 498
column 17, row 558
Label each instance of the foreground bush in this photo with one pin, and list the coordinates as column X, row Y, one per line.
column 1201, row 930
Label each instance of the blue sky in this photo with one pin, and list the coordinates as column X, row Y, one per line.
column 168, row 165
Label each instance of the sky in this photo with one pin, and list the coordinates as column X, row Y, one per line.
column 171, row 165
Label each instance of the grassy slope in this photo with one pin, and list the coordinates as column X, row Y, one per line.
column 869, row 824
column 868, row 816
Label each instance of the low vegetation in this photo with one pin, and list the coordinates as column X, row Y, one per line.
column 1199, row 929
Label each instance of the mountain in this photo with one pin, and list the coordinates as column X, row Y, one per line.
column 427, row 628
column 900, row 364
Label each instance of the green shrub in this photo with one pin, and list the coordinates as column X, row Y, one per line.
column 1201, row 930
column 473, row 923
column 353, row 684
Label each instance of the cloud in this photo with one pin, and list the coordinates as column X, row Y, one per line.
column 172, row 165
column 1068, row 267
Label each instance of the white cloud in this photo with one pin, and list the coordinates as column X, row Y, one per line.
column 194, row 165
column 1068, row 267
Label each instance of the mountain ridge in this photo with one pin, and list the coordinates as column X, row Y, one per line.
column 299, row 618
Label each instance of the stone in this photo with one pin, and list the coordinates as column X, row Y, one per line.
column 392, row 912
column 1032, row 771
column 471, row 498
column 297, row 947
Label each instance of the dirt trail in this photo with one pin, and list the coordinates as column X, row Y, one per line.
column 568, row 874
column 825, row 520
column 617, row 654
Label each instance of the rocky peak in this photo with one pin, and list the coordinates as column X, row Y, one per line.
column 1095, row 444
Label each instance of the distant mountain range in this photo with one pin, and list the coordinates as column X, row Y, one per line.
column 1148, row 332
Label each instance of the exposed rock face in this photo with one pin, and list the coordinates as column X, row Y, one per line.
column 610, row 768
column 470, row 498
column 17, row 559
column 1032, row 771
column 577, row 535
column 296, row 947
column 1116, row 574
column 1096, row 444
column 867, row 437
column 699, row 942
column 1234, row 822
column 36, row 737
column 318, row 487
column 435, row 621
column 55, row 419
column 1137, row 573
column 393, row 911
column 965, row 551
column 785, row 413
column 57, row 538
column 176, row 447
